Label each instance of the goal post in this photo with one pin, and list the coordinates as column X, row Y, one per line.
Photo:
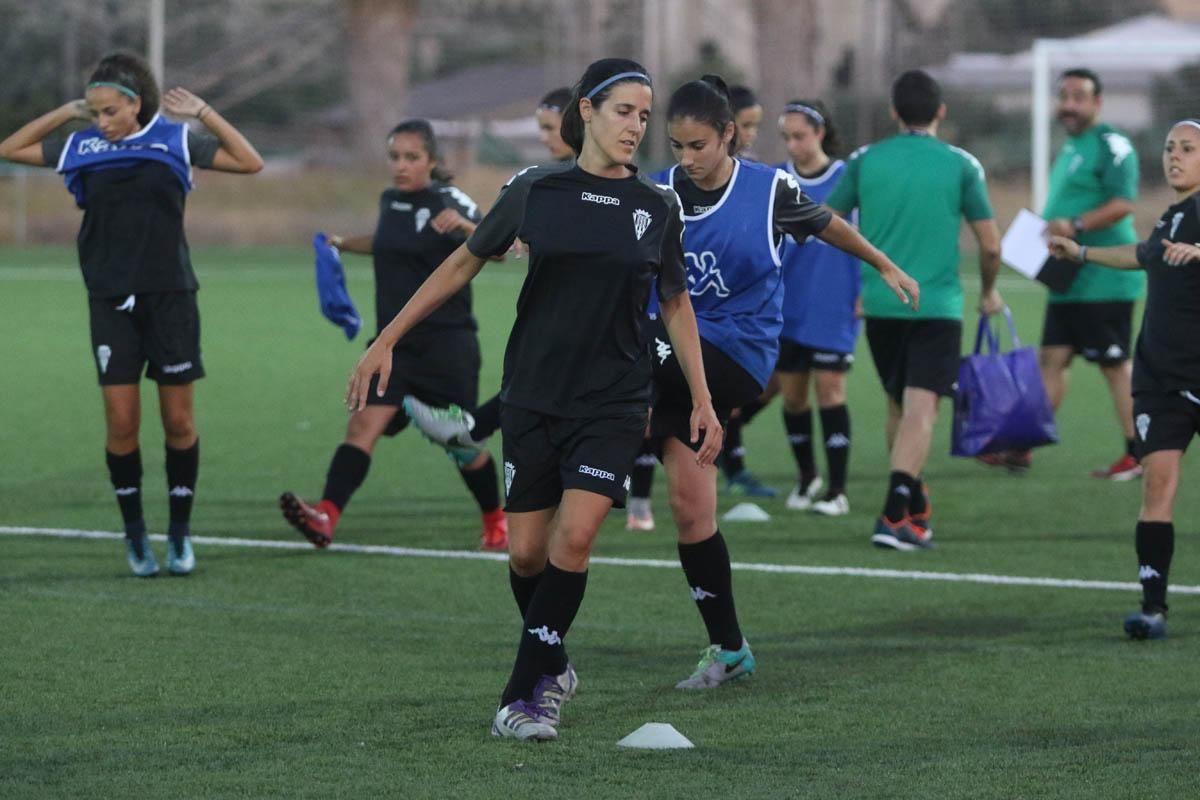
column 1049, row 56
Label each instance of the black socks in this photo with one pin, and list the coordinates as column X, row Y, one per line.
column 1155, row 545
column 706, row 567
column 483, row 485
column 899, row 496
column 799, row 433
column 642, row 479
column 733, row 454
column 125, row 472
column 523, row 587
column 347, row 470
column 552, row 609
column 183, row 467
column 835, row 427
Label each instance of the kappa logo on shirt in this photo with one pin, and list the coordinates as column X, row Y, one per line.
column 602, row 199
column 641, row 221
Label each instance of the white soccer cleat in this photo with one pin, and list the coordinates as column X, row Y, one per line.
column 638, row 516
column 524, row 721
column 836, row 506
column 802, row 499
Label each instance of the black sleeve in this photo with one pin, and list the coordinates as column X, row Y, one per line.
column 1146, row 252
column 500, row 226
column 202, row 149
column 672, row 272
column 795, row 212
column 461, row 202
column 52, row 147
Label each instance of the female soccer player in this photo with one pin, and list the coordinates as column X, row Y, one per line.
column 577, row 368
column 130, row 172
column 422, row 220
column 736, row 214
column 747, row 115
column 1166, row 364
column 821, row 286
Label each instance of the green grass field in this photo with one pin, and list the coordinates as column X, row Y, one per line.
column 299, row 673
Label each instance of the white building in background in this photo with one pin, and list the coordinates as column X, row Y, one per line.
column 1128, row 77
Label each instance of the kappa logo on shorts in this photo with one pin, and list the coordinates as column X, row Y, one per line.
column 602, row 474
column 1114, row 351
column 641, row 221
column 662, row 350
column 103, row 354
column 421, row 219
column 509, row 472
column 175, row 369
column 626, row 484
column 1143, row 425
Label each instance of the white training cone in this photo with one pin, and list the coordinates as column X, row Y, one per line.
column 746, row 512
column 656, row 736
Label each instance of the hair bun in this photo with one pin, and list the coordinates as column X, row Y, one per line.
column 718, row 83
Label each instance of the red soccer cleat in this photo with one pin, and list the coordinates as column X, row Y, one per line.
column 316, row 523
column 495, row 531
column 1125, row 468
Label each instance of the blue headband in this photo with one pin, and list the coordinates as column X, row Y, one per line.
column 620, row 76
column 119, row 87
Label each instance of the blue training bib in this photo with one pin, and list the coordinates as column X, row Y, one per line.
column 820, row 282
column 733, row 269
column 161, row 140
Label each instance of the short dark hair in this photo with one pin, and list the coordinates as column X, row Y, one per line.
column 597, row 73
column 1086, row 74
column 830, row 144
column 132, row 72
column 916, row 96
column 741, row 97
column 422, row 128
column 707, row 101
column 556, row 99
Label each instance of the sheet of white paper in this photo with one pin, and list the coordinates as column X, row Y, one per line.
column 1024, row 247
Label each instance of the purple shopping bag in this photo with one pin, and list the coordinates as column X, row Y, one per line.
column 1000, row 402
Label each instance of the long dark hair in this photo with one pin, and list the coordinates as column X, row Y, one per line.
column 597, row 73
column 556, row 100
column 831, row 145
column 422, row 128
column 706, row 101
column 131, row 71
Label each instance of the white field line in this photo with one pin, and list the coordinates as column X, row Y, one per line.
column 471, row 555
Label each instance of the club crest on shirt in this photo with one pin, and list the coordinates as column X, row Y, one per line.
column 421, row 218
column 641, row 221
column 1175, row 220
column 1143, row 425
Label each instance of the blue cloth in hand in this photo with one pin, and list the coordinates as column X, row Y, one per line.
column 335, row 301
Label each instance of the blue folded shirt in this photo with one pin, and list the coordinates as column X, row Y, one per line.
column 335, row 301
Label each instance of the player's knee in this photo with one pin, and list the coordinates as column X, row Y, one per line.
column 121, row 430
column 692, row 515
column 526, row 557
column 179, row 426
column 575, row 539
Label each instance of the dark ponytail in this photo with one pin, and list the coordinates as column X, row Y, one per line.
column 817, row 116
column 133, row 73
column 706, row 101
column 596, row 74
column 741, row 97
column 422, row 128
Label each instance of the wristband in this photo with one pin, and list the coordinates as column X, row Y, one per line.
column 203, row 111
column 1077, row 225
column 1082, row 253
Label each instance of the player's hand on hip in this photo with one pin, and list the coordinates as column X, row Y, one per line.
column 1063, row 247
column 376, row 361
column 1180, row 253
column 704, row 418
column 991, row 303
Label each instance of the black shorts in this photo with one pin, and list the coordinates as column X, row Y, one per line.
column 730, row 385
column 796, row 357
column 544, row 456
column 157, row 332
column 917, row 353
column 1100, row 332
column 436, row 369
column 1163, row 421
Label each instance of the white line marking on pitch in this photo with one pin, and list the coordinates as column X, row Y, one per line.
column 472, row 555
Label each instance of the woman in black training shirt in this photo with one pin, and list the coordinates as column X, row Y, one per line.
column 1166, row 364
column 422, row 220
column 576, row 386
column 130, row 172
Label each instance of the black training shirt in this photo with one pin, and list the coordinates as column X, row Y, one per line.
column 407, row 250
column 578, row 348
column 1167, row 356
column 131, row 240
column 795, row 212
